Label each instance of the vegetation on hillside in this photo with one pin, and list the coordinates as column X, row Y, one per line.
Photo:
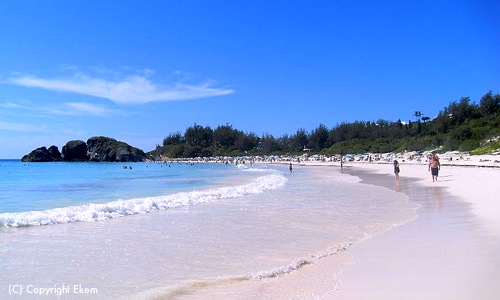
column 463, row 125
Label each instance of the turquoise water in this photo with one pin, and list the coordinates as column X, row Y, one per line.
column 40, row 186
column 65, row 191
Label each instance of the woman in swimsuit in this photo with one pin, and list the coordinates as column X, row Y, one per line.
column 396, row 169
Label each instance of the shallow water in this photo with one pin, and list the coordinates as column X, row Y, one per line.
column 250, row 235
column 42, row 186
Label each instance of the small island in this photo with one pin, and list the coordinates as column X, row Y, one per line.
column 97, row 149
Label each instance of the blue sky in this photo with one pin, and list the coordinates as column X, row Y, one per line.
column 139, row 70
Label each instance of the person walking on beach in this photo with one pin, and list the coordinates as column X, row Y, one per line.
column 396, row 169
column 434, row 167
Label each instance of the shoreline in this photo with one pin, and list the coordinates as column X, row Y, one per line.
column 472, row 184
column 466, row 169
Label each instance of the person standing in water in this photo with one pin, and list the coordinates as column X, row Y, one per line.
column 396, row 169
column 434, row 167
column 290, row 168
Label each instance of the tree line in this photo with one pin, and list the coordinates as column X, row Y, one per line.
column 462, row 125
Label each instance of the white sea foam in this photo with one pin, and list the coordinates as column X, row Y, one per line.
column 255, row 170
column 119, row 208
column 348, row 178
column 299, row 263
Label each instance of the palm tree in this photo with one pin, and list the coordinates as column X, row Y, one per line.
column 418, row 115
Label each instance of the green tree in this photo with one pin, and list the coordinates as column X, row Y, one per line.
column 268, row 144
column 339, row 133
column 394, row 131
column 462, row 110
column 225, row 136
column 318, row 138
column 489, row 104
column 199, row 136
column 299, row 140
column 173, row 139
column 285, row 142
column 247, row 141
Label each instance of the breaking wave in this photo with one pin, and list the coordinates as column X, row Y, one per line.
column 120, row 208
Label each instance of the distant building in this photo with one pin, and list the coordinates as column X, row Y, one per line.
column 307, row 149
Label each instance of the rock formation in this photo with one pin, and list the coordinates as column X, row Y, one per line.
column 38, row 155
column 54, row 153
column 97, row 148
column 102, row 148
column 75, row 150
column 43, row 154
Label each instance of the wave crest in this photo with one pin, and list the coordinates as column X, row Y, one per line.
column 120, row 208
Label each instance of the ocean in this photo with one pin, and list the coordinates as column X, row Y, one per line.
column 156, row 230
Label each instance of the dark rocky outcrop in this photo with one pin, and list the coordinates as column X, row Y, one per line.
column 38, row 155
column 102, row 148
column 54, row 153
column 43, row 154
column 97, row 148
column 75, row 150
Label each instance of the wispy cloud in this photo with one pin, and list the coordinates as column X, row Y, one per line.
column 87, row 108
column 78, row 109
column 20, row 127
column 63, row 109
column 135, row 89
column 11, row 105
